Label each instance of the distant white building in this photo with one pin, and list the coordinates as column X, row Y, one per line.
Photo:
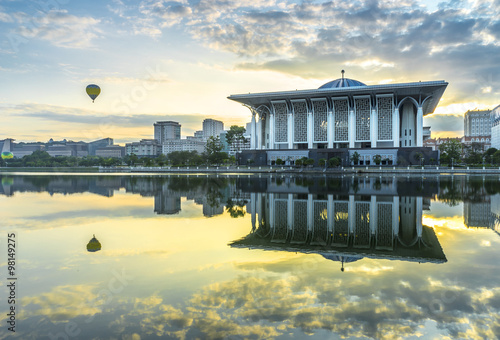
column 188, row 144
column 212, row 128
column 477, row 123
column 145, row 147
column 495, row 128
column 167, row 130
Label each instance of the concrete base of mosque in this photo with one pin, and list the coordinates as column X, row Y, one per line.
column 389, row 156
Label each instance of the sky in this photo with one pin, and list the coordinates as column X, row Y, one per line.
column 180, row 60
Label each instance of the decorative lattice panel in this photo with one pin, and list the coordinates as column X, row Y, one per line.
column 362, row 119
column 384, row 225
column 320, row 226
column 384, row 118
column 341, row 108
column 280, row 122
column 299, row 222
column 280, row 221
column 300, row 122
column 362, row 233
column 320, row 119
column 341, row 223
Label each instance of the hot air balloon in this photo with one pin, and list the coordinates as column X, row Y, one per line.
column 93, row 91
column 93, row 245
column 7, row 155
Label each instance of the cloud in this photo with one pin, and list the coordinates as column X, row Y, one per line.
column 59, row 28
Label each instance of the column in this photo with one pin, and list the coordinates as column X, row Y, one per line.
column 330, row 124
column 310, row 130
column 253, row 206
column 290, row 130
column 374, row 128
column 290, row 212
column 259, row 208
column 259, row 141
column 330, row 214
column 395, row 215
column 373, row 215
column 271, row 211
column 395, row 128
column 352, row 129
column 351, row 215
column 253, row 133
column 310, row 213
column 418, row 215
column 271, row 131
column 420, row 127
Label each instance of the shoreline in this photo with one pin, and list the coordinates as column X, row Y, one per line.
column 258, row 170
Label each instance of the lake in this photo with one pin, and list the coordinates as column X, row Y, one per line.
column 260, row 257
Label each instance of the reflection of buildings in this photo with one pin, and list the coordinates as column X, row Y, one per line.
column 342, row 227
column 484, row 214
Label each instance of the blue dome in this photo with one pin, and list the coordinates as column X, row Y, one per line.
column 341, row 82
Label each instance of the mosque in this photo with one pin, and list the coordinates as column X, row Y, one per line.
column 339, row 118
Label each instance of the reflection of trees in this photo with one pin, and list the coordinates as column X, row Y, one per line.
column 467, row 189
column 235, row 208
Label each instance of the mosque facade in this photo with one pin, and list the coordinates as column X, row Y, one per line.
column 339, row 118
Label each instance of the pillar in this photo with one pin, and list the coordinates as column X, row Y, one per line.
column 395, row 128
column 352, row 129
column 290, row 211
column 253, row 133
column 271, row 131
column 351, row 215
column 420, row 127
column 310, row 130
column 373, row 215
column 418, row 215
column 330, row 124
column 290, row 130
column 374, row 128
column 259, row 141
column 395, row 215
column 271, row 211
column 253, row 206
column 330, row 214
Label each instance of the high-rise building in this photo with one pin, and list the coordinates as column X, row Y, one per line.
column 167, row 130
column 477, row 123
column 495, row 128
column 145, row 147
column 212, row 128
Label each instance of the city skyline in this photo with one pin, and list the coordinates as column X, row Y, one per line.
column 157, row 61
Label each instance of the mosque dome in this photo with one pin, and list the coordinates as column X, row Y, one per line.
column 341, row 82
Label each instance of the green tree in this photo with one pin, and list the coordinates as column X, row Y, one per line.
column 309, row 161
column 496, row 157
column 279, row 161
column 355, row 158
column 213, row 151
column 299, row 162
column 322, row 162
column 334, row 162
column 235, row 135
column 450, row 151
column 488, row 153
column 377, row 159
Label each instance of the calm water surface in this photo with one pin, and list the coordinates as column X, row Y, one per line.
column 260, row 257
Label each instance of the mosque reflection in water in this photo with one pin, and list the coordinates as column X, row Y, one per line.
column 364, row 217
column 342, row 218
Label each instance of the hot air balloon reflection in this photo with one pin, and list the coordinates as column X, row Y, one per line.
column 7, row 155
column 93, row 91
column 93, row 245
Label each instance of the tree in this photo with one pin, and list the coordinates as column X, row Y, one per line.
column 450, row 151
column 334, row 162
column 496, row 157
column 279, row 161
column 235, row 135
column 377, row 159
column 309, row 161
column 322, row 162
column 213, row 150
column 488, row 154
column 355, row 158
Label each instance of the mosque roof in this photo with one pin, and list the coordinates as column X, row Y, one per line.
column 341, row 82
